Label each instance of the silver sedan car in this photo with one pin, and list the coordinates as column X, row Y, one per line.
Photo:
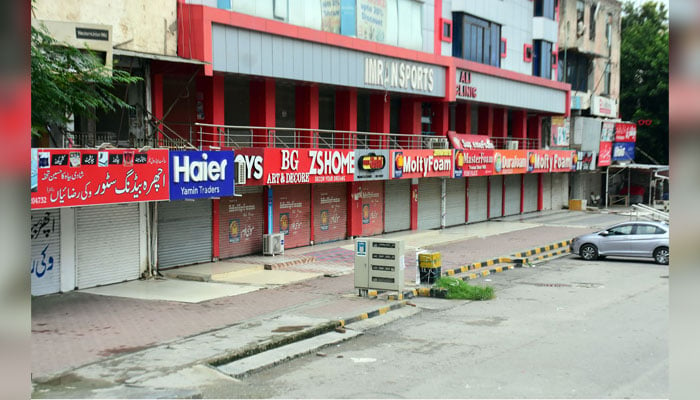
column 628, row 239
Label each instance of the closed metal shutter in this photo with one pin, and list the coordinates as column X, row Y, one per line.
column 397, row 205
column 373, row 198
column 184, row 232
column 560, row 190
column 530, row 201
column 292, row 210
column 456, row 202
column 330, row 212
column 46, row 252
column 478, row 198
column 241, row 221
column 107, row 245
column 547, row 191
column 429, row 192
column 496, row 203
column 512, row 194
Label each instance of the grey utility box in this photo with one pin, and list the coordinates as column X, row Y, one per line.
column 379, row 264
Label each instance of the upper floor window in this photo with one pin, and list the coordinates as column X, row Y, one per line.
column 574, row 69
column 542, row 59
column 545, row 8
column 608, row 30
column 580, row 9
column 591, row 25
column 476, row 39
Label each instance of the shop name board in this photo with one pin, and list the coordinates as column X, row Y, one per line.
column 473, row 163
column 509, row 162
column 293, row 166
column 70, row 177
column 201, row 174
column 422, row 163
column 625, row 132
column 605, row 154
column 371, row 164
column 551, row 161
column 389, row 74
column 464, row 88
column 603, row 106
column 623, row 151
column 469, row 142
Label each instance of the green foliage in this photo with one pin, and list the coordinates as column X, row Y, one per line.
column 644, row 75
column 68, row 80
column 458, row 289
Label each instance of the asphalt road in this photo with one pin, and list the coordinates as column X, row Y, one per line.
column 564, row 329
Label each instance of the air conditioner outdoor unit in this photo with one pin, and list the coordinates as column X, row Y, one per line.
column 240, row 172
column 437, row 143
column 273, row 244
column 511, row 145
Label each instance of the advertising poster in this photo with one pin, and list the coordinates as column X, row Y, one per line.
column 371, row 164
column 294, row 166
column 71, row 177
column 371, row 20
column 605, row 155
column 473, row 163
column 625, row 132
column 330, row 16
column 623, row 151
column 586, row 161
column 201, row 174
column 509, row 162
column 234, row 231
column 607, row 131
column 469, row 142
column 560, row 132
column 421, row 163
column 551, row 161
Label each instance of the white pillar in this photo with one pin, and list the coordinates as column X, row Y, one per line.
column 68, row 235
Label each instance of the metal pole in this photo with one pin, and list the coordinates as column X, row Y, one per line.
column 607, row 185
column 443, row 203
column 629, row 185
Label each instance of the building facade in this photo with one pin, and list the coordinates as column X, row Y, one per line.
column 346, row 118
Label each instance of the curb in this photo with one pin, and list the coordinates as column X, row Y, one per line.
column 477, row 265
column 299, row 261
column 544, row 249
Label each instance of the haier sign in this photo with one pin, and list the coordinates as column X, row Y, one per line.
column 201, row 174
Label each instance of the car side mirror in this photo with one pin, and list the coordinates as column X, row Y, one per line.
column 604, row 233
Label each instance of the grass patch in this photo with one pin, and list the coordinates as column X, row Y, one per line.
column 458, row 289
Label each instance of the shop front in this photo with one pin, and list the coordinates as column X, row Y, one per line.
column 46, row 251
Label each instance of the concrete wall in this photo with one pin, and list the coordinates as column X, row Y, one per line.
column 148, row 26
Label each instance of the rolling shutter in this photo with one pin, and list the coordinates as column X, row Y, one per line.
column 429, row 191
column 292, row 214
column 530, row 201
column 241, row 222
column 330, row 212
column 496, row 202
column 46, row 252
column 373, row 197
column 456, row 202
column 397, row 205
column 547, row 191
column 107, row 245
column 184, row 232
column 512, row 194
column 560, row 190
column 478, row 198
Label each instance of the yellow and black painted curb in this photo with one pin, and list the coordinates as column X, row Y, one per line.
column 477, row 265
column 557, row 253
column 540, row 250
column 371, row 314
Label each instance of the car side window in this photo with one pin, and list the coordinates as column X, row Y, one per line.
column 621, row 230
column 659, row 231
column 646, row 229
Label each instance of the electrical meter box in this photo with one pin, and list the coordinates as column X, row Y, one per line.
column 379, row 264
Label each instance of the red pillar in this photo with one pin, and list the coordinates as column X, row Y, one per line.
column 354, row 209
column 311, row 214
column 488, row 197
column 520, row 128
column 534, row 131
column 485, row 120
column 215, row 229
column 210, row 109
column 157, row 103
column 306, row 114
column 414, row 206
column 540, row 193
column 379, row 122
column 522, row 193
column 262, row 111
column 441, row 117
column 346, row 119
column 463, row 118
column 500, row 127
column 410, row 123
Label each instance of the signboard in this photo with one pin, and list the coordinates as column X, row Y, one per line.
column 272, row 166
column 603, row 106
column 371, row 165
column 551, row 161
column 201, row 174
column 465, row 89
column 605, row 154
column 397, row 74
column 509, row 162
column 330, row 16
column 607, row 131
column 371, row 20
column 586, row 161
column 70, row 177
column 421, row 163
column 560, row 132
column 625, row 132
column 623, row 151
column 473, row 163
column 469, row 142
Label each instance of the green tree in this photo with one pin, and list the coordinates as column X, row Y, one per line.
column 644, row 75
column 68, row 80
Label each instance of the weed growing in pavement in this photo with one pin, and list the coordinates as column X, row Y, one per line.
column 458, row 289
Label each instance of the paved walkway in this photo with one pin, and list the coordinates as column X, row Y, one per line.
column 77, row 328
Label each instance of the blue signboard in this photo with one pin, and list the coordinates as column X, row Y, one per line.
column 201, row 174
column 623, row 151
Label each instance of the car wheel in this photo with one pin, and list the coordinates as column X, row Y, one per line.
column 588, row 252
column 661, row 255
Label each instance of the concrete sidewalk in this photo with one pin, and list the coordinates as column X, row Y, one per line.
column 82, row 328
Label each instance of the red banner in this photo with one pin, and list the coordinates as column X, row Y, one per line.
column 469, row 142
column 421, row 163
column 605, row 154
column 509, row 162
column 473, row 163
column 293, row 166
column 70, row 177
column 551, row 161
column 625, row 132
